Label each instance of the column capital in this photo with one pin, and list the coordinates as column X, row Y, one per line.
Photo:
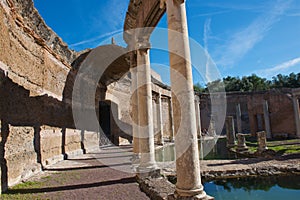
column 143, row 43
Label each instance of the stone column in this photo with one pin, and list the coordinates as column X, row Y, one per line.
column 171, row 127
column 198, row 118
column 262, row 141
column 297, row 115
column 145, row 112
column 134, row 106
column 187, row 156
column 212, row 128
column 267, row 119
column 159, row 120
column 239, row 118
column 230, row 132
column 241, row 142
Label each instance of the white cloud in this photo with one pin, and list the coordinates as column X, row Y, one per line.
column 211, row 13
column 241, row 42
column 281, row 68
column 206, row 34
column 106, row 21
column 94, row 41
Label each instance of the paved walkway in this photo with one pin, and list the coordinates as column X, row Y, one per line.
column 105, row 174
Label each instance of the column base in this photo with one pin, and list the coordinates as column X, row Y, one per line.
column 202, row 196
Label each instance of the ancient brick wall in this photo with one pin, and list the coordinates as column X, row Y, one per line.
column 281, row 113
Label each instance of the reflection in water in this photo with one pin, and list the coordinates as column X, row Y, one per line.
column 211, row 149
column 255, row 188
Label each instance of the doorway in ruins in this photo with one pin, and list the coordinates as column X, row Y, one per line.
column 104, row 118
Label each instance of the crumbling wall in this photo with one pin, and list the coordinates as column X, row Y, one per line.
column 37, row 127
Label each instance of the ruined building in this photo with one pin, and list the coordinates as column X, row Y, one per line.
column 38, row 102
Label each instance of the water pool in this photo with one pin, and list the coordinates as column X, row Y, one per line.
column 210, row 149
column 255, row 188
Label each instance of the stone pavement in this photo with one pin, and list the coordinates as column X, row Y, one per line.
column 105, row 174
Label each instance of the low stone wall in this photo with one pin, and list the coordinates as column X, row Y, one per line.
column 20, row 154
column 51, row 145
column 27, row 149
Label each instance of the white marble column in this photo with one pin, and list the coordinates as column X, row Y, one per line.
column 187, row 156
column 159, row 120
column 134, row 110
column 239, row 118
column 171, row 125
column 297, row 115
column 267, row 119
column 145, row 112
column 198, row 118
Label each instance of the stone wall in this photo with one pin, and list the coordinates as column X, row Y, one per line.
column 36, row 79
column 20, row 147
column 281, row 113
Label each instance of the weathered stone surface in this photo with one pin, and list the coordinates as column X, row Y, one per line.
column 241, row 145
column 91, row 141
column 20, row 154
column 73, row 143
column 51, row 145
column 157, row 188
column 262, row 141
column 230, row 132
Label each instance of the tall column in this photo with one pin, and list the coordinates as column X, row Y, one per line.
column 267, row 119
column 134, row 105
column 187, row 156
column 198, row 118
column 145, row 112
column 171, row 127
column 159, row 120
column 297, row 115
column 239, row 118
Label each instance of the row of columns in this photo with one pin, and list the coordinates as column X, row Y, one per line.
column 159, row 118
column 185, row 127
column 266, row 119
column 296, row 107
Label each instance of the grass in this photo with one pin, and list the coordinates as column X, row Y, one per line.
column 25, row 185
column 281, row 147
column 55, row 179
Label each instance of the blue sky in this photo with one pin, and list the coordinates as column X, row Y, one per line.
column 242, row 37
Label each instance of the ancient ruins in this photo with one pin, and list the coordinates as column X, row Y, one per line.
column 37, row 104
